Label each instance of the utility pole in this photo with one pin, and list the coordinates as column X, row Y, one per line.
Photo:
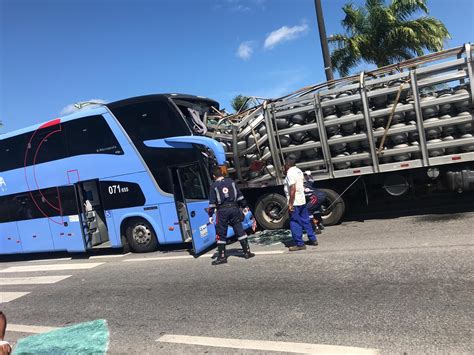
column 324, row 41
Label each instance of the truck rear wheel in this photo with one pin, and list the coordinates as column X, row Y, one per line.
column 333, row 208
column 271, row 211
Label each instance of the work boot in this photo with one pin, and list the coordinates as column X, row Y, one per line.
column 316, row 228
column 296, row 248
column 221, row 257
column 312, row 242
column 246, row 248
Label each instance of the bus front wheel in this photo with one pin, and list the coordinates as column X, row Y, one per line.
column 140, row 236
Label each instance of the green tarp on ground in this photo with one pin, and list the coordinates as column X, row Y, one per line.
column 84, row 338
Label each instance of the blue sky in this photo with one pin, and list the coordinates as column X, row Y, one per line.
column 57, row 52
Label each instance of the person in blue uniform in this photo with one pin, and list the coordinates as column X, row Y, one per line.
column 227, row 200
column 314, row 200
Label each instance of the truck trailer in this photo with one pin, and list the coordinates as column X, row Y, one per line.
column 401, row 127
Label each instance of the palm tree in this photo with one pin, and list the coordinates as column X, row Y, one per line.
column 240, row 103
column 380, row 34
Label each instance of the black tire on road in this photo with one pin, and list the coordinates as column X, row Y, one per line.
column 140, row 236
column 271, row 211
column 334, row 214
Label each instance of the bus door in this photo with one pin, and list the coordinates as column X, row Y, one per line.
column 191, row 189
column 92, row 214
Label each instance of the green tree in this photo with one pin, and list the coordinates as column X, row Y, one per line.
column 240, row 103
column 380, row 34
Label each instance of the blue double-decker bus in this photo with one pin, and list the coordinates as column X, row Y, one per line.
column 126, row 173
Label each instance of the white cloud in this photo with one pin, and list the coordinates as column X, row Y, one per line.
column 245, row 50
column 284, row 34
column 72, row 108
column 242, row 6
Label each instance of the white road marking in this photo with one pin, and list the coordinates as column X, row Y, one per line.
column 269, row 252
column 46, row 260
column 32, row 280
column 108, row 256
column 50, row 267
column 301, row 348
column 161, row 258
column 28, row 328
column 208, row 255
column 10, row 296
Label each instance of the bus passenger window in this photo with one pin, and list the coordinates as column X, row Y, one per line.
column 91, row 135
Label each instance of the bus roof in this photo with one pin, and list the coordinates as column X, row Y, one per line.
column 144, row 98
column 96, row 110
column 77, row 114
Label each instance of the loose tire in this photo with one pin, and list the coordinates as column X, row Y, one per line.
column 271, row 211
column 140, row 236
column 332, row 215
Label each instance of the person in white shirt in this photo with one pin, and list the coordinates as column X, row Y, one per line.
column 299, row 217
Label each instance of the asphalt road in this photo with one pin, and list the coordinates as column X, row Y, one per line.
column 400, row 285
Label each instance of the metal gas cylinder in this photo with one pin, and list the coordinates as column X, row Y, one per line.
column 435, row 152
column 334, row 129
column 328, row 110
column 447, row 108
column 342, row 165
column 350, row 127
column 450, row 150
column 241, row 145
column 399, row 138
column 468, row 147
column 281, row 122
column 298, row 118
column 285, row 140
column 337, row 148
column 314, row 133
column 297, row 137
column 262, row 130
column 296, row 154
column 346, row 107
column 461, row 106
column 432, row 132
column 402, row 156
column 429, row 111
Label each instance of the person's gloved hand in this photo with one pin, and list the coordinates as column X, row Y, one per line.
column 211, row 220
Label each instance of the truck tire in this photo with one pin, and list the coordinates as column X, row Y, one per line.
column 140, row 236
column 271, row 211
column 334, row 214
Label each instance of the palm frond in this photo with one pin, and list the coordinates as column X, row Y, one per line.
column 402, row 9
column 354, row 21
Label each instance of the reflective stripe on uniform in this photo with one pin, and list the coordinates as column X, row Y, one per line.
column 211, row 205
column 243, row 237
column 218, row 195
column 240, row 198
column 235, row 190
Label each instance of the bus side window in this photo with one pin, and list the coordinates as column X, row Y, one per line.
column 4, row 210
column 12, row 152
column 44, row 145
column 91, row 135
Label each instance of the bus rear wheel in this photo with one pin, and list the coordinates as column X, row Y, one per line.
column 140, row 236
